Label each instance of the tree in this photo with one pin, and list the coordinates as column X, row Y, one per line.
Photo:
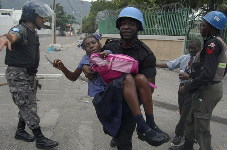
column 62, row 19
column 205, row 5
column 223, row 7
column 123, row 3
column 89, row 25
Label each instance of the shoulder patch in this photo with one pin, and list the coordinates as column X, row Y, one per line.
column 22, row 31
column 209, row 51
column 15, row 29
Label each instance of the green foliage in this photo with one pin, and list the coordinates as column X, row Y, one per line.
column 205, row 5
column 123, row 3
column 223, row 7
column 89, row 25
column 62, row 18
column 101, row 5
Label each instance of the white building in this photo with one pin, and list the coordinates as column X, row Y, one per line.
column 9, row 18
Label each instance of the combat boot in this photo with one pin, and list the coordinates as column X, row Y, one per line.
column 41, row 141
column 21, row 134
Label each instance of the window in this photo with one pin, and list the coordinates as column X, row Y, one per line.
column 6, row 14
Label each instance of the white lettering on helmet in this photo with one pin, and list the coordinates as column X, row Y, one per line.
column 216, row 18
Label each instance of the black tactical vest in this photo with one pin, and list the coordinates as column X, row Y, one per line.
column 25, row 51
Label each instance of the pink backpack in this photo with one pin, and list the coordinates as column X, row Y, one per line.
column 113, row 65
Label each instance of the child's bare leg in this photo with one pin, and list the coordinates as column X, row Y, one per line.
column 131, row 97
column 144, row 91
column 144, row 131
column 130, row 94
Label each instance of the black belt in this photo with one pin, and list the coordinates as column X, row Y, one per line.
column 183, row 84
column 16, row 66
column 214, row 82
column 210, row 83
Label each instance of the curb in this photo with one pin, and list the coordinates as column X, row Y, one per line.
column 175, row 107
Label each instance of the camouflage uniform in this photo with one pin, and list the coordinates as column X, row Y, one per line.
column 22, row 87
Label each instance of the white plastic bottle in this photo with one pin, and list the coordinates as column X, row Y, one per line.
column 181, row 71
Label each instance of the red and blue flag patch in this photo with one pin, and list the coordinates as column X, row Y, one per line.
column 210, row 48
column 209, row 51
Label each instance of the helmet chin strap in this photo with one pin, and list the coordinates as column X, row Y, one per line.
column 38, row 27
column 34, row 22
column 208, row 33
column 207, row 36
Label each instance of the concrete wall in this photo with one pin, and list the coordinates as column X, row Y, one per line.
column 5, row 24
column 164, row 47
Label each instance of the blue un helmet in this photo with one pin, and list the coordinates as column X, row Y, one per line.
column 216, row 18
column 34, row 8
column 131, row 12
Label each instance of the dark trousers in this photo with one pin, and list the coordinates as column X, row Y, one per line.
column 204, row 101
column 124, row 136
column 184, row 103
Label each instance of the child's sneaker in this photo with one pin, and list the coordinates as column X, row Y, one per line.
column 177, row 141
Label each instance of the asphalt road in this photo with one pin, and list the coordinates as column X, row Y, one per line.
column 68, row 116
